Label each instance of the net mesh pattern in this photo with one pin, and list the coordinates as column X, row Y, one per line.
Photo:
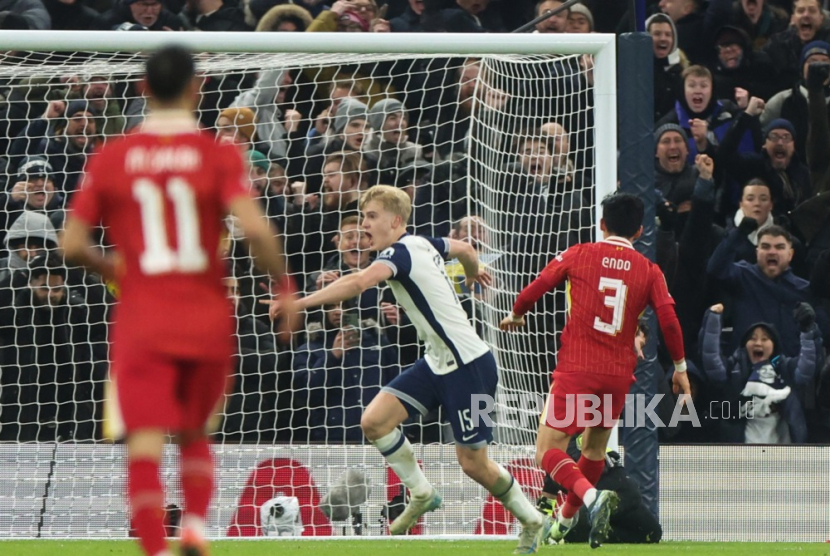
column 497, row 150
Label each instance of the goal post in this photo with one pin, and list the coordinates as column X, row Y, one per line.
column 512, row 140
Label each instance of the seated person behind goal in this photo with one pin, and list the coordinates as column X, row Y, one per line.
column 457, row 363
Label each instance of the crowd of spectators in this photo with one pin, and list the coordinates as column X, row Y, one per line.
column 742, row 180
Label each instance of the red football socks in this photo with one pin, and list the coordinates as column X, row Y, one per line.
column 592, row 471
column 147, row 505
column 197, row 477
column 565, row 471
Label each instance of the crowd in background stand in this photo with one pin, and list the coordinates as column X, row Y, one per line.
column 742, row 166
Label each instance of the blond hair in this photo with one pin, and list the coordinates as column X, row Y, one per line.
column 351, row 220
column 391, row 198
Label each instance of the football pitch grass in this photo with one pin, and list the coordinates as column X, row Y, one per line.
column 411, row 548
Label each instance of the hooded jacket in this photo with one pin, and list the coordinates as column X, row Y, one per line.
column 667, row 82
column 262, row 99
column 284, row 12
column 732, row 373
column 29, row 225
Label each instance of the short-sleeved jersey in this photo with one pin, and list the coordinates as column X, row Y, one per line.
column 609, row 285
column 163, row 198
column 422, row 287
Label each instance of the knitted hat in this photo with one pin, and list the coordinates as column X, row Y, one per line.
column 382, row 109
column 259, row 160
column 584, row 10
column 243, row 119
column 815, row 47
column 75, row 106
column 729, row 34
column 658, row 133
column 779, row 123
column 349, row 109
column 34, row 166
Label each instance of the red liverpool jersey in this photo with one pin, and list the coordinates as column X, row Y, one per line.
column 162, row 195
column 609, row 286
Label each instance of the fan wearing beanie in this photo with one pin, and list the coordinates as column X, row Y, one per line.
column 389, row 146
column 791, row 104
column 237, row 125
column 777, row 165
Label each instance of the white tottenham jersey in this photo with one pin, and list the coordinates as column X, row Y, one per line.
column 422, row 287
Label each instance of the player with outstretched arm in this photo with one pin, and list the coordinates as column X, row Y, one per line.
column 163, row 194
column 456, row 366
column 610, row 285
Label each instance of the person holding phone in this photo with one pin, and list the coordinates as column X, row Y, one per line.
column 338, row 372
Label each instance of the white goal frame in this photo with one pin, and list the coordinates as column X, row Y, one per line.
column 602, row 48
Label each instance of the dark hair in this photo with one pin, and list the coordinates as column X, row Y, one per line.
column 775, row 230
column 45, row 265
column 623, row 214
column 169, row 71
column 755, row 182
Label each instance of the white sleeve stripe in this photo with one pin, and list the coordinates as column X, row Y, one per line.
column 390, row 264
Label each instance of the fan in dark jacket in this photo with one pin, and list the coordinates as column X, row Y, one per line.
column 767, row 386
column 812, row 217
column 767, row 291
column 778, row 165
column 669, row 63
column 213, row 15
column 71, row 15
column 784, row 49
column 339, row 372
column 758, row 19
column 410, row 20
column 738, row 66
column 791, row 104
column 147, row 13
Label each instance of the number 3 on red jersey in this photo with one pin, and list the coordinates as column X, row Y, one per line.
column 158, row 257
column 616, row 302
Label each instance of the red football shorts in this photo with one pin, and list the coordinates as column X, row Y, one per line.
column 579, row 400
column 154, row 391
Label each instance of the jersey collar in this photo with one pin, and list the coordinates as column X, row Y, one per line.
column 618, row 241
column 166, row 122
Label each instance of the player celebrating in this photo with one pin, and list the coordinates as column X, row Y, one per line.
column 610, row 286
column 163, row 194
column 457, row 363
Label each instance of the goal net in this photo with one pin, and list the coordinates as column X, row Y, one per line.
column 506, row 142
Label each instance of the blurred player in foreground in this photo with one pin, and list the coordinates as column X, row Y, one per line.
column 610, row 285
column 456, row 366
column 163, row 194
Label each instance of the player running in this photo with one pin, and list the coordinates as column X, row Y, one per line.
column 457, row 363
column 610, row 285
column 163, row 194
